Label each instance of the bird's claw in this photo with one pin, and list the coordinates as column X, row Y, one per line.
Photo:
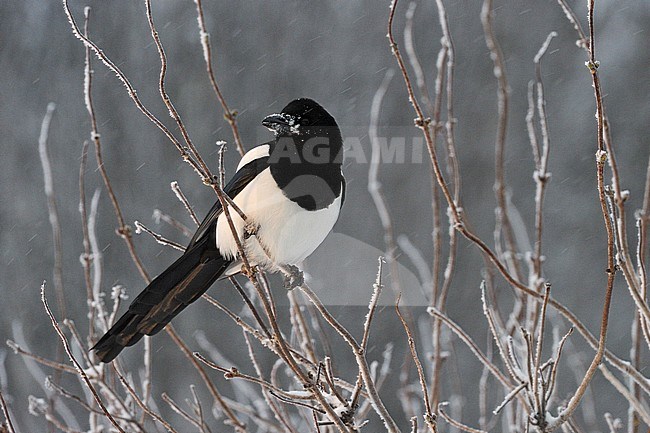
column 293, row 277
column 250, row 229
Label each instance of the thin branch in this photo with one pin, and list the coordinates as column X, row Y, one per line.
column 52, row 208
column 159, row 216
column 141, row 403
column 234, row 373
column 204, row 170
column 39, row 359
column 409, row 46
column 362, row 363
column 637, row 404
column 86, row 258
column 139, row 228
column 228, row 114
column 239, row 426
column 129, row 87
column 429, row 417
column 123, row 229
column 179, row 194
column 176, row 408
column 277, row 413
column 372, row 306
column 374, row 185
column 472, row 346
column 79, row 369
column 460, row 426
column 573, row 19
column 499, row 70
column 601, row 158
column 541, row 175
column 5, row 412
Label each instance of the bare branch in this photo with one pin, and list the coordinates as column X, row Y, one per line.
column 52, row 208
column 139, row 228
column 5, row 412
column 460, row 426
column 79, row 370
column 228, row 114
column 429, row 417
column 179, row 194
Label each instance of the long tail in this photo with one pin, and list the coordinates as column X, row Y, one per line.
column 167, row 295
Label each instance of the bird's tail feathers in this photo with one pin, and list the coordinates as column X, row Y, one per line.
column 166, row 296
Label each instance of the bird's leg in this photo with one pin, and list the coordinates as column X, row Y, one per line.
column 248, row 272
column 293, row 276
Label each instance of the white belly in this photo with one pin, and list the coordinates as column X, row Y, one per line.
column 287, row 232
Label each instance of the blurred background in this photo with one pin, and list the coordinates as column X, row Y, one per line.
column 265, row 54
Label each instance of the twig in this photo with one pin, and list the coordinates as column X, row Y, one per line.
column 613, row 424
column 508, row 398
column 409, row 46
column 503, row 218
column 234, row 373
column 39, row 359
column 130, row 90
column 429, row 417
column 372, row 306
column 139, row 228
column 453, row 422
column 571, row 16
column 79, row 369
column 472, row 346
column 541, row 174
column 362, row 363
column 277, row 413
column 446, row 67
column 97, row 258
column 141, row 403
column 198, row 410
column 601, row 158
column 159, row 216
column 239, row 426
column 52, row 208
column 179, row 194
column 640, row 410
column 264, row 340
column 5, row 412
column 122, row 228
column 300, row 328
column 176, row 408
column 639, row 326
column 86, row 257
column 374, row 185
column 553, row 375
column 228, row 114
column 250, row 305
column 204, row 170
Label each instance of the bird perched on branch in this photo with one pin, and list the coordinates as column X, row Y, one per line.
column 290, row 191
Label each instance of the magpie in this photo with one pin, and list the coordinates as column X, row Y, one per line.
column 290, row 191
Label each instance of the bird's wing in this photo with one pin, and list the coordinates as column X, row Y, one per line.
column 244, row 175
column 185, row 280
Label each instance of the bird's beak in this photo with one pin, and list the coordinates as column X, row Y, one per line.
column 276, row 122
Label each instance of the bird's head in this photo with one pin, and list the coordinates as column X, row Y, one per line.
column 301, row 117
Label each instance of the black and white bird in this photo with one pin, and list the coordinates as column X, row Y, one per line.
column 290, row 190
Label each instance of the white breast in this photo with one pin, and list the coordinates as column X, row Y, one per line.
column 287, row 232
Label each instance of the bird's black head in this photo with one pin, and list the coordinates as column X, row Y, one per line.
column 301, row 117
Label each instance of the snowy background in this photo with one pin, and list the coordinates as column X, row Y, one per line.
column 267, row 53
